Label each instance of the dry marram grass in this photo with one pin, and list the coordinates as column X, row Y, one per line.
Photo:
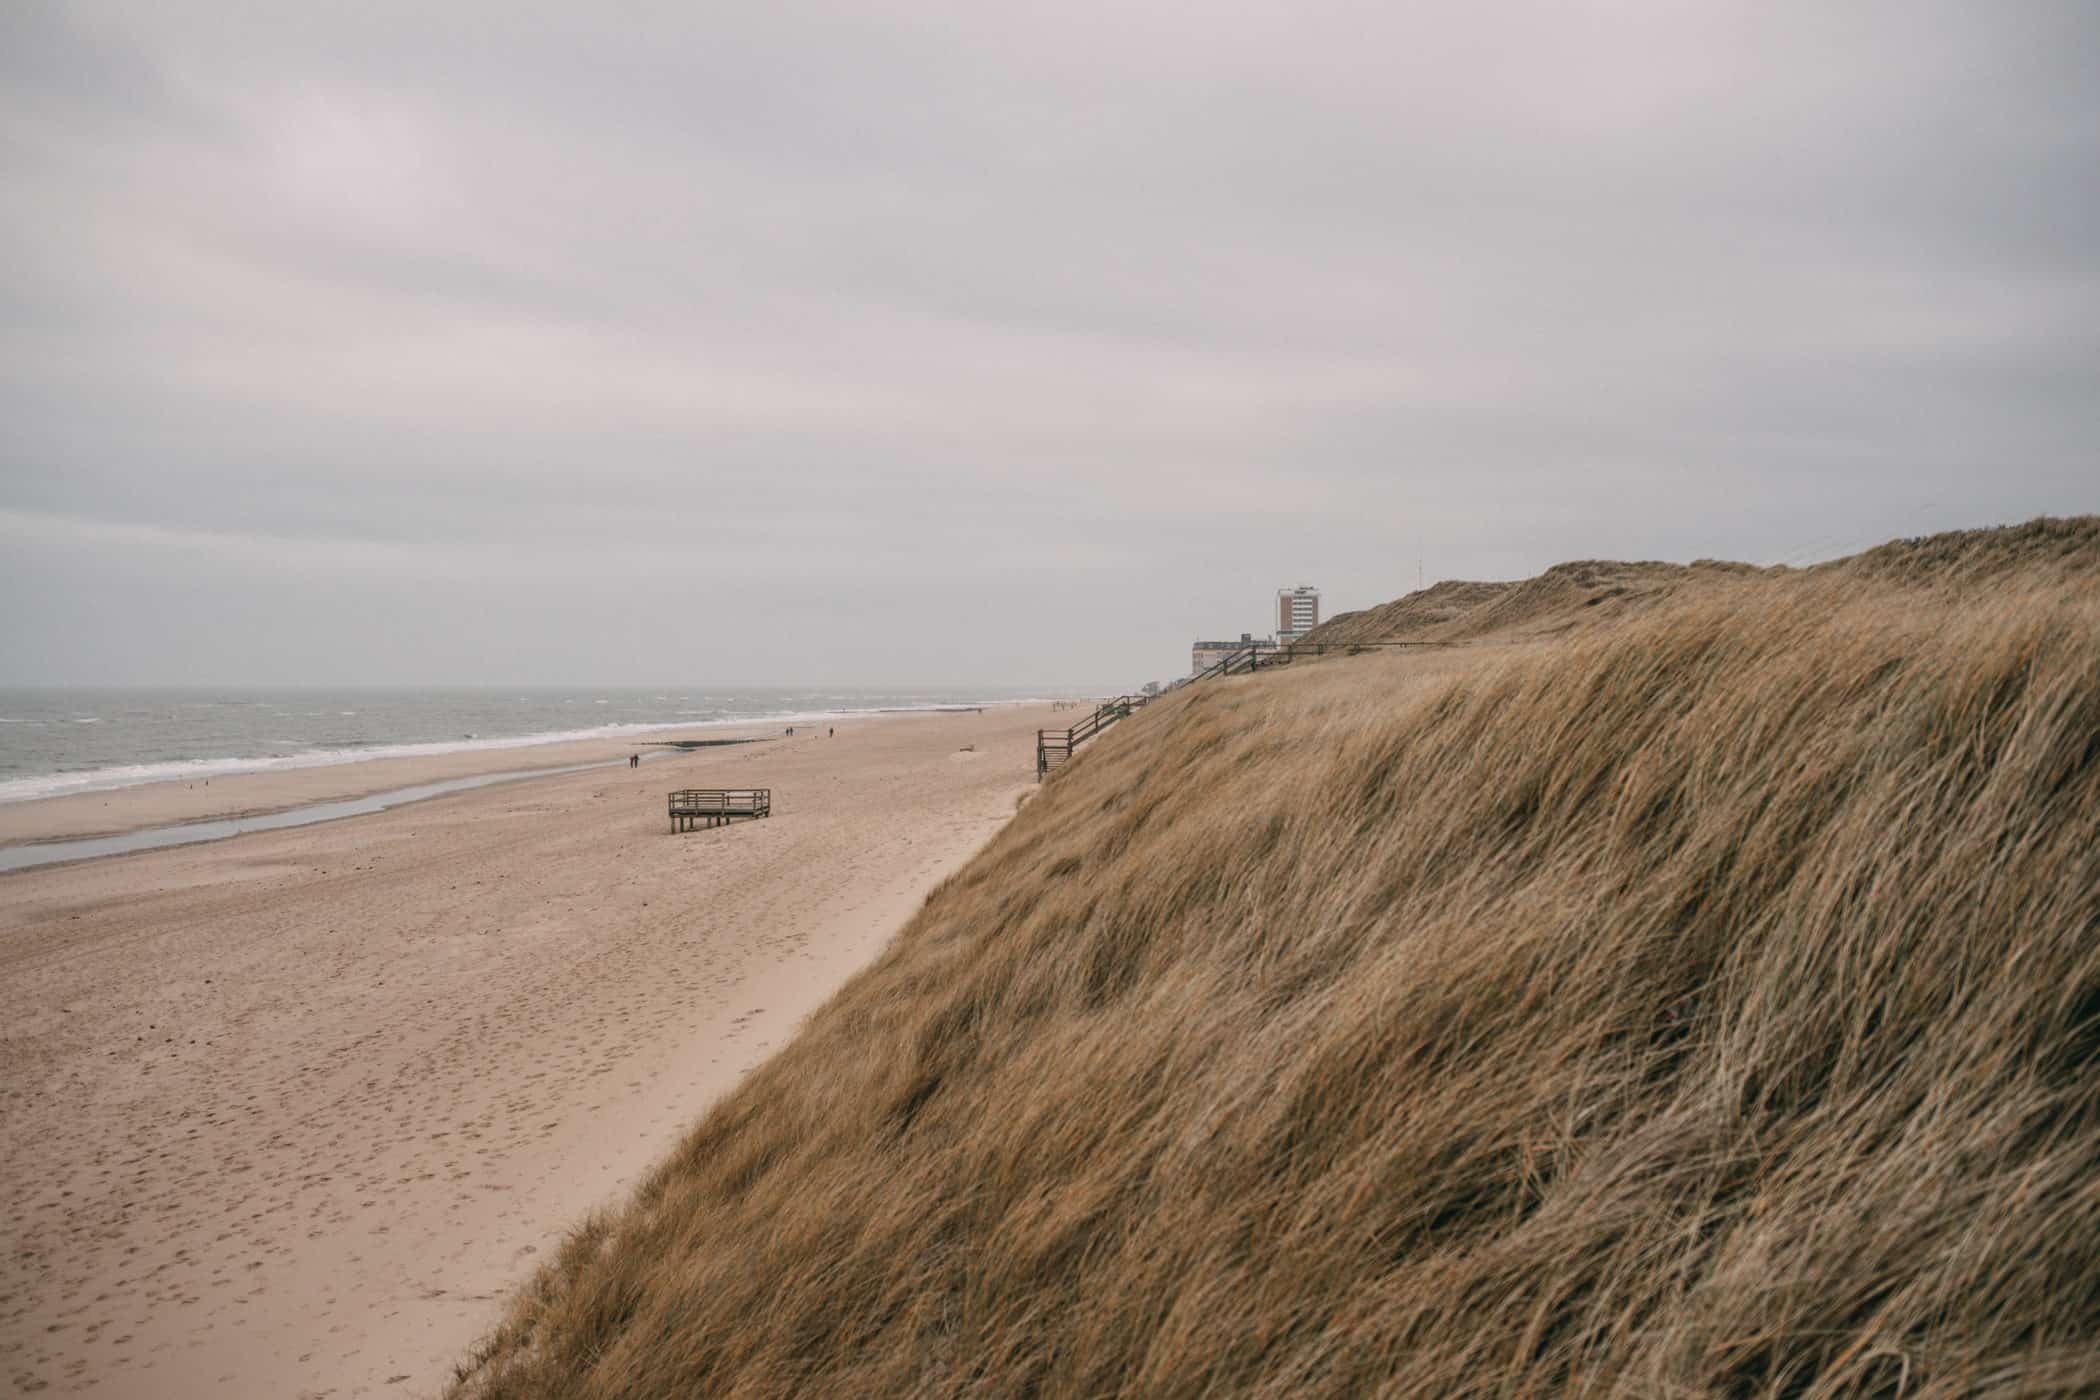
column 1708, row 1004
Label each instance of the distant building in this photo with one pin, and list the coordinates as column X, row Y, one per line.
column 1207, row 654
column 1297, row 612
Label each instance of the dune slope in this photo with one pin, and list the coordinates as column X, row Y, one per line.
column 1707, row 1003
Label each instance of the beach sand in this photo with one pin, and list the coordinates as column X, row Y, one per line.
column 290, row 1114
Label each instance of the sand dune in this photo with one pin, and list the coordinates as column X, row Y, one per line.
column 289, row 1114
column 1703, row 1004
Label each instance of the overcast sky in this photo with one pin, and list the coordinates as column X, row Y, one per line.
column 950, row 342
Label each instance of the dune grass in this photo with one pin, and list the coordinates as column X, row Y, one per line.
column 1705, row 1005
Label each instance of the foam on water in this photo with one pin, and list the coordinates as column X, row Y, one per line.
column 356, row 751
column 192, row 752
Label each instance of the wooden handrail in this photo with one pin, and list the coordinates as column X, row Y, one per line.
column 1062, row 742
column 1253, row 657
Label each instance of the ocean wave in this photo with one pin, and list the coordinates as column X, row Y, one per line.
column 27, row 789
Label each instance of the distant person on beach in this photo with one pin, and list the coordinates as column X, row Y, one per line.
column 634, row 760
column 831, row 732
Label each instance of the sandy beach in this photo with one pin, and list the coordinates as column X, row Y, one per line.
column 289, row 1114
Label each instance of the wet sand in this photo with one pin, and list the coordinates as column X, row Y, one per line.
column 289, row 1114
column 242, row 794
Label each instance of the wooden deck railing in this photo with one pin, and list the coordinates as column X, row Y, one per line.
column 691, row 807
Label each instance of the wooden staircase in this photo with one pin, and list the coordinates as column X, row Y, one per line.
column 1055, row 747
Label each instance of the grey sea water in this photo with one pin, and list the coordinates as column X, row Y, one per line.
column 54, row 742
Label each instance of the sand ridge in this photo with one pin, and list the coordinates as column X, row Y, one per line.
column 289, row 1114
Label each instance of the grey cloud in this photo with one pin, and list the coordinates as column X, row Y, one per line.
column 1066, row 314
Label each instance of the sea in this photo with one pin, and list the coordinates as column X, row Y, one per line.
column 54, row 742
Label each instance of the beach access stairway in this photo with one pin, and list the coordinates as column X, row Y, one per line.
column 1055, row 747
column 696, row 807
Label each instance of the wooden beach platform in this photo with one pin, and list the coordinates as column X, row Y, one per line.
column 696, row 807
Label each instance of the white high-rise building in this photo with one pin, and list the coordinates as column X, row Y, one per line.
column 1297, row 612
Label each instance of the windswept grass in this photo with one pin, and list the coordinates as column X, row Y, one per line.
column 1708, row 1004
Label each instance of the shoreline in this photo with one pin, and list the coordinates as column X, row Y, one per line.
column 385, row 799
column 35, row 855
column 123, row 776
column 106, row 813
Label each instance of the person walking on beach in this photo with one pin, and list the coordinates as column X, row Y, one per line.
column 831, row 731
column 634, row 760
